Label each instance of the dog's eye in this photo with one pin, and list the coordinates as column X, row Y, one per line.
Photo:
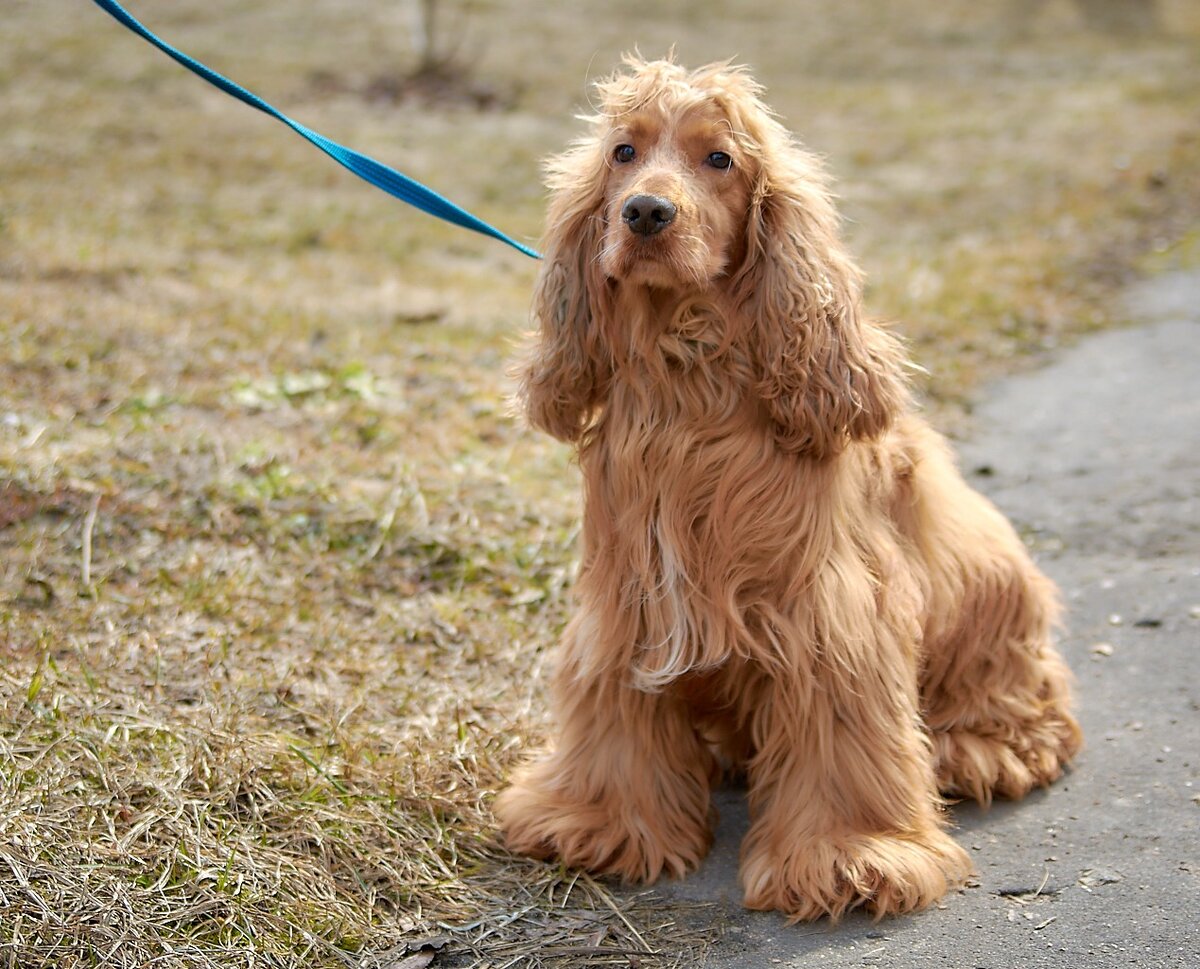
column 718, row 159
column 624, row 153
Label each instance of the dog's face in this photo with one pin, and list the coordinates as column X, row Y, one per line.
column 676, row 185
column 676, row 196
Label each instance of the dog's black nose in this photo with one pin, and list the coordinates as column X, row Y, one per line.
column 647, row 214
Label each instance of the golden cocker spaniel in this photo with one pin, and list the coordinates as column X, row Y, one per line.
column 783, row 572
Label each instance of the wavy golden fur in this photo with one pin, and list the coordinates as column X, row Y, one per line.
column 783, row 572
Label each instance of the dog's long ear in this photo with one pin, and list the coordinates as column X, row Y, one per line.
column 826, row 375
column 565, row 373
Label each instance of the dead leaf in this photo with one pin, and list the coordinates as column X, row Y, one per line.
column 418, row 960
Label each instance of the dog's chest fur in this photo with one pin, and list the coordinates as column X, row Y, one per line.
column 690, row 500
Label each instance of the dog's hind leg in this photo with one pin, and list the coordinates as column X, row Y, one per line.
column 995, row 693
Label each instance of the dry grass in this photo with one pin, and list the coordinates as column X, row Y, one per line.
column 278, row 573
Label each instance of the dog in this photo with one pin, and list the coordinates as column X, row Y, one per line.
column 783, row 573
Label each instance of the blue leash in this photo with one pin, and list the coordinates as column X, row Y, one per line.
column 378, row 174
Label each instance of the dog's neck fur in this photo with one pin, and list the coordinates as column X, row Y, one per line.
column 654, row 331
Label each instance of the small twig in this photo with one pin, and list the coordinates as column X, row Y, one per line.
column 598, row 950
column 89, row 525
column 570, row 888
column 621, row 915
column 1022, row 895
column 497, row 923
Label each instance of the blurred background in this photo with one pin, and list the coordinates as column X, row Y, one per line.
column 278, row 568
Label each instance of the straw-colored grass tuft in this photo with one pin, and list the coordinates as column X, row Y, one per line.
column 216, row 839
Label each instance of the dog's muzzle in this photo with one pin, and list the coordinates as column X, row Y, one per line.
column 647, row 215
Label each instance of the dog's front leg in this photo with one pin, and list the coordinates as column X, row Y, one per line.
column 842, row 793
column 624, row 790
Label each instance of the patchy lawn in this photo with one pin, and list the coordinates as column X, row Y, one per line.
column 278, row 569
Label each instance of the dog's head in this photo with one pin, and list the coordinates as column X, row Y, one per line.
column 674, row 184
column 687, row 183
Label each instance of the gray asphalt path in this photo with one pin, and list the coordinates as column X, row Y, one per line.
column 1096, row 458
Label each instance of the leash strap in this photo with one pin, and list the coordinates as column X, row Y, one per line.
column 380, row 175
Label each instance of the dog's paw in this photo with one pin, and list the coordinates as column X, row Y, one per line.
column 886, row 874
column 607, row 837
column 1008, row 763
